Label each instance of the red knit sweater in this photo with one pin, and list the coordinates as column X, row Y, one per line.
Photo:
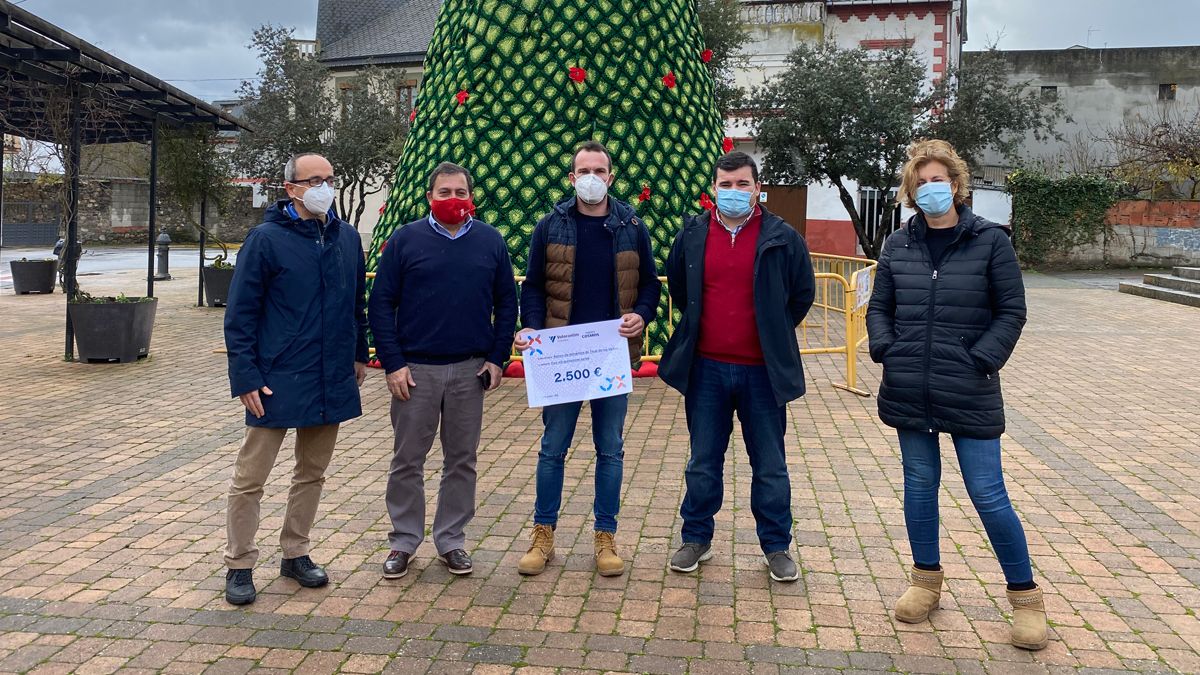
column 728, row 330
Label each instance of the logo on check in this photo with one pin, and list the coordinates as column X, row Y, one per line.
column 614, row 383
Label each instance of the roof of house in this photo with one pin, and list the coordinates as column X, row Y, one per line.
column 400, row 34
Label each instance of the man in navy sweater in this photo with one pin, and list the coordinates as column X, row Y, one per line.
column 590, row 260
column 442, row 311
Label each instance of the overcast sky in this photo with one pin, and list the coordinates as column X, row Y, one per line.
column 200, row 45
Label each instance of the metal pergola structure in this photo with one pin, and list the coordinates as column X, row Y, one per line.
column 43, row 68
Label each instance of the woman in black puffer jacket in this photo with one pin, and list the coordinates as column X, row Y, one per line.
column 945, row 315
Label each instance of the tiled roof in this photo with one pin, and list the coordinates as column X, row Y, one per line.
column 404, row 30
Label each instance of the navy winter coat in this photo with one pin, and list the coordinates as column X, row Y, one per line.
column 943, row 335
column 296, row 320
column 784, row 289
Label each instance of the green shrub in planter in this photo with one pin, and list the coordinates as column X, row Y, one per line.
column 217, row 279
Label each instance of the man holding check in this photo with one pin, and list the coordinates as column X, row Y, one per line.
column 590, row 260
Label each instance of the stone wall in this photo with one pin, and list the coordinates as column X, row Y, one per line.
column 117, row 211
column 28, row 202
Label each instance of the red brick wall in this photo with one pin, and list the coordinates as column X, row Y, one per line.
column 833, row 237
column 1145, row 213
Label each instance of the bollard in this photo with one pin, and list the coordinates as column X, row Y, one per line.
column 164, row 252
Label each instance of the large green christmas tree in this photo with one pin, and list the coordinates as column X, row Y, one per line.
column 512, row 86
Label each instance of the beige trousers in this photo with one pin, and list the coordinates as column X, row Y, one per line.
column 314, row 449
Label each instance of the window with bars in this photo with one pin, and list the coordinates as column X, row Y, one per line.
column 871, row 206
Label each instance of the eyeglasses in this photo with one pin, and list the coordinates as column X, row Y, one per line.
column 316, row 181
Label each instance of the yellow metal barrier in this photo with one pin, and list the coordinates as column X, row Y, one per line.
column 837, row 323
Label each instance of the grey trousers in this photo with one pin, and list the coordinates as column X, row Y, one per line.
column 451, row 397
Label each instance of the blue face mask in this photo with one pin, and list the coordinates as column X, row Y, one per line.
column 734, row 203
column 935, row 199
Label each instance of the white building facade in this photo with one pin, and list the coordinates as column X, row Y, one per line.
column 936, row 30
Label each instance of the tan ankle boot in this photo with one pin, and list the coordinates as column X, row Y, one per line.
column 922, row 596
column 608, row 563
column 1029, row 619
column 541, row 551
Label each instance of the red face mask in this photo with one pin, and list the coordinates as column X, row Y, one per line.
column 452, row 211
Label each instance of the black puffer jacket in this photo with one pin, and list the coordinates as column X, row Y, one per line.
column 943, row 335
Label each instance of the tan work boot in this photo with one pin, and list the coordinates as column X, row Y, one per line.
column 1029, row 619
column 541, row 551
column 608, row 563
column 922, row 596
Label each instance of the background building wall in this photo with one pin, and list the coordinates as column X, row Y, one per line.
column 1100, row 89
column 117, row 211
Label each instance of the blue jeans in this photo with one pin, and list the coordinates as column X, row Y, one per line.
column 980, row 464
column 715, row 391
column 608, row 425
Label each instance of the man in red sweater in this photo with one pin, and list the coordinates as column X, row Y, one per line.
column 743, row 279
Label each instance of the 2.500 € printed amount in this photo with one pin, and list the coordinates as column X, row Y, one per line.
column 577, row 363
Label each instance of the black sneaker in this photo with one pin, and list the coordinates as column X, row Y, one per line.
column 782, row 567
column 306, row 572
column 239, row 587
column 457, row 562
column 689, row 557
column 396, row 565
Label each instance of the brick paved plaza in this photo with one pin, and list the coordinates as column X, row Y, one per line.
column 114, row 478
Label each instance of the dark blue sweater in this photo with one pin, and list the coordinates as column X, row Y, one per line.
column 437, row 300
column 595, row 274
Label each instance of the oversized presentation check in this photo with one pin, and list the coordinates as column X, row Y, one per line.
column 577, row 363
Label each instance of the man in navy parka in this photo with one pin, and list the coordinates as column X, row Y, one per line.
column 296, row 332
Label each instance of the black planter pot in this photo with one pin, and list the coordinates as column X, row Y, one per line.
column 113, row 332
column 216, row 285
column 34, row 276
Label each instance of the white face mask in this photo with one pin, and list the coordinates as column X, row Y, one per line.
column 591, row 188
column 318, row 200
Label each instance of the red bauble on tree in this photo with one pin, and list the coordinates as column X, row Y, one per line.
column 706, row 55
column 462, row 96
column 412, row 116
column 669, row 80
column 577, row 74
column 645, row 196
column 727, row 144
column 706, row 202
